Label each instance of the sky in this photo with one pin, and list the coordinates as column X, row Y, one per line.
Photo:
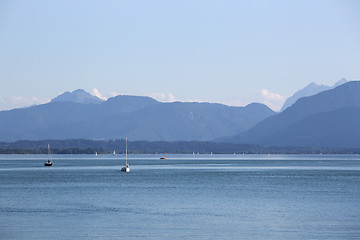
column 230, row 52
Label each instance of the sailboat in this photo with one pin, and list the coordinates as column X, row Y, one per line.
column 127, row 167
column 49, row 162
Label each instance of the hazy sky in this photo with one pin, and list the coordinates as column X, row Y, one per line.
column 231, row 52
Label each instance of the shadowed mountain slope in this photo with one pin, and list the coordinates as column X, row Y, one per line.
column 343, row 96
column 338, row 128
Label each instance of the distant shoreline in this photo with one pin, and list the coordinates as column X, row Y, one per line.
column 83, row 146
column 105, row 154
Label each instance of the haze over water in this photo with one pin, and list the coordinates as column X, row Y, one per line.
column 183, row 197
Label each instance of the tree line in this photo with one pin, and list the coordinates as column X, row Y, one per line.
column 83, row 146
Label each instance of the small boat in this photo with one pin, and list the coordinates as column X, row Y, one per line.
column 49, row 162
column 126, row 168
column 164, row 157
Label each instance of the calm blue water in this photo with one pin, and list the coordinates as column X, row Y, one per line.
column 184, row 197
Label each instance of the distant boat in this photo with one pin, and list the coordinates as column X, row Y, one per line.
column 96, row 153
column 49, row 162
column 164, row 157
column 114, row 152
column 127, row 167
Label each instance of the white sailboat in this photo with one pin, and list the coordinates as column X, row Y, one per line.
column 49, row 162
column 127, row 167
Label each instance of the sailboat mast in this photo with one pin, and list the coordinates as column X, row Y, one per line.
column 49, row 152
column 126, row 150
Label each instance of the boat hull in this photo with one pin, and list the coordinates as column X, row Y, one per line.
column 125, row 169
column 48, row 164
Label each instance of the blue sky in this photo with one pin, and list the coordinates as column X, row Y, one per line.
column 231, row 52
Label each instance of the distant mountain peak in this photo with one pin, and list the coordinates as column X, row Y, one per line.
column 77, row 96
column 340, row 82
column 131, row 97
column 256, row 105
column 311, row 89
column 80, row 91
column 312, row 84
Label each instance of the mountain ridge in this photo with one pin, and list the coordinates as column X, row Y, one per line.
column 310, row 90
column 139, row 118
column 345, row 95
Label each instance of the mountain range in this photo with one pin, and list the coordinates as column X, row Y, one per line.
column 330, row 118
column 78, row 114
column 326, row 119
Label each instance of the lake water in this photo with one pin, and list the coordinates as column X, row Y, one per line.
column 183, row 197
